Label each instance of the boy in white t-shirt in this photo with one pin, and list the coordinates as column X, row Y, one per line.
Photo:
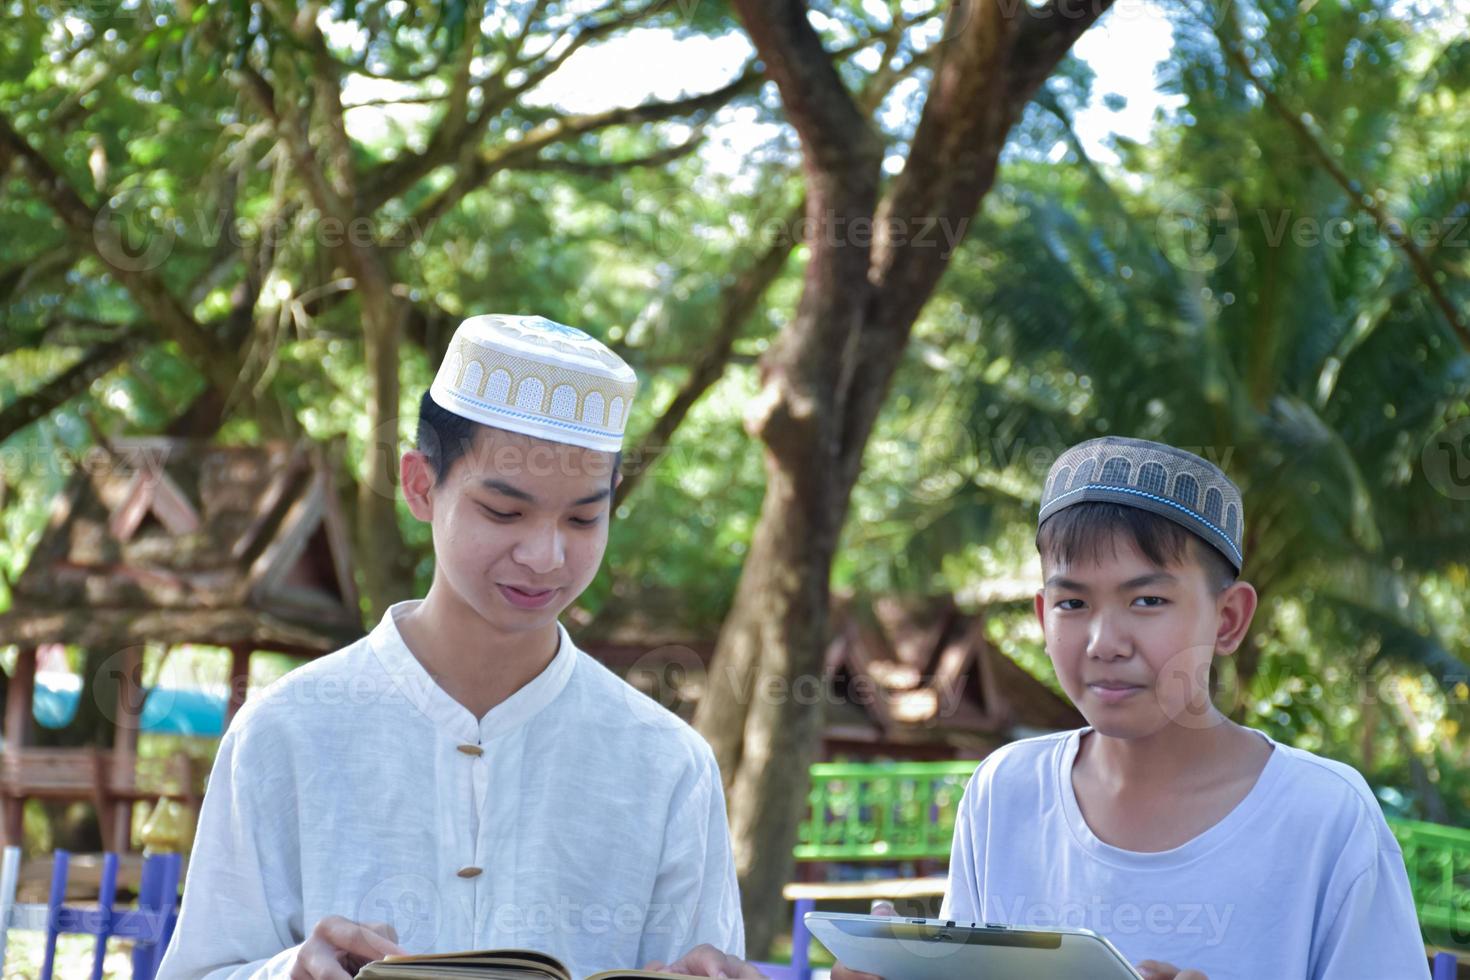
column 1181, row 836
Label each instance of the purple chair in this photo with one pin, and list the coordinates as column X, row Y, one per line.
column 800, row 967
column 150, row 925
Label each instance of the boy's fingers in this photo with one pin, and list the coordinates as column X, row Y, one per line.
column 317, row 960
column 882, row 906
column 705, row 960
column 356, row 938
column 1155, row 970
column 386, row 930
column 840, row 972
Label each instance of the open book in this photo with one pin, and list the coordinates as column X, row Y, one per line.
column 487, row 964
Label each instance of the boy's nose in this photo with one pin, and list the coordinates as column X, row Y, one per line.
column 1106, row 640
column 541, row 550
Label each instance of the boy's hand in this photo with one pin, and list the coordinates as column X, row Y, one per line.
column 706, row 961
column 840, row 972
column 337, row 948
column 1154, row 970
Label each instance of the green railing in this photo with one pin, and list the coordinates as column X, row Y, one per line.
column 875, row 812
column 1438, row 859
column 905, row 811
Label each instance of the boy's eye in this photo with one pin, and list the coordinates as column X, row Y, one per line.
column 498, row 515
column 585, row 521
column 1070, row 604
column 1152, row 601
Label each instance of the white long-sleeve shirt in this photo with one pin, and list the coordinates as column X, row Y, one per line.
column 578, row 817
column 1303, row 880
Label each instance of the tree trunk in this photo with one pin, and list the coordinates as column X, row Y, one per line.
column 387, row 572
column 825, row 379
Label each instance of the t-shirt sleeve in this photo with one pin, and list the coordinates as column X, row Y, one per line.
column 240, row 917
column 696, row 898
column 1375, row 930
column 962, row 901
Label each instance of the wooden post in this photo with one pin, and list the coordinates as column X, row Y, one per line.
column 18, row 700
column 122, row 768
column 239, row 681
column 18, row 707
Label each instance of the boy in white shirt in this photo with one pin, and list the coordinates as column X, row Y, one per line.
column 464, row 777
column 1181, row 836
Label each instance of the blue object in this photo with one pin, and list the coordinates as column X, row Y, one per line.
column 800, row 967
column 150, row 925
column 166, row 711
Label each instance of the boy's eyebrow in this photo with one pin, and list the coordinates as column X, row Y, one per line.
column 602, row 494
column 1072, row 585
column 1150, row 579
column 500, row 486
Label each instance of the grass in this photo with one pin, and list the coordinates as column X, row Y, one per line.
column 26, row 951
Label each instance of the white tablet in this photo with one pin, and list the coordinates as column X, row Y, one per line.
column 898, row 948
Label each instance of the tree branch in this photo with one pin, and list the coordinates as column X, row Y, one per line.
column 524, row 152
column 290, row 130
column 837, row 139
column 1045, row 35
column 93, row 364
column 1357, row 193
column 455, row 134
column 604, row 168
column 738, row 300
column 997, row 57
column 148, row 291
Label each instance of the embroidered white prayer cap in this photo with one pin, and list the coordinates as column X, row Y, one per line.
column 540, row 378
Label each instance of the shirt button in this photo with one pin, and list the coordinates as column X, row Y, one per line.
column 470, row 872
column 471, row 749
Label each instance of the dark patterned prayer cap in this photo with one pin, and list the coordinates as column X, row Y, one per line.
column 1172, row 483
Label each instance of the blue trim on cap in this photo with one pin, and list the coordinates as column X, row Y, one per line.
column 1239, row 558
column 542, row 419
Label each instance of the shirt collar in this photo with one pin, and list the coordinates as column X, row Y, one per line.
column 421, row 690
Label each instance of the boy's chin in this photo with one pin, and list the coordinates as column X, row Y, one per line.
column 1124, row 728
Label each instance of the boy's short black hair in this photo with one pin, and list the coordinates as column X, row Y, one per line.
column 444, row 437
column 1083, row 530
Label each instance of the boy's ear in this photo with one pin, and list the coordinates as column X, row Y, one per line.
column 416, row 476
column 1236, row 607
column 1040, row 604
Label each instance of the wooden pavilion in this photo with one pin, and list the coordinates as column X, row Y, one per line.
column 907, row 678
column 170, row 541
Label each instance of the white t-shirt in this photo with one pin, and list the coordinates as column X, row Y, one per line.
column 596, row 818
column 1303, row 879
